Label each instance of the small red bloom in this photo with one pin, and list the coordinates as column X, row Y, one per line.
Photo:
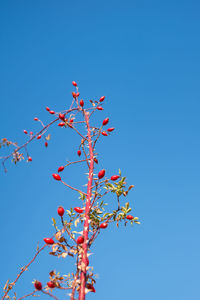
column 103, row 225
column 25, row 131
column 79, row 152
column 29, row 158
column 38, row 285
column 81, row 103
column 105, row 121
column 101, row 174
column 62, row 117
column 80, row 240
column 56, row 176
column 114, row 177
column 61, row 168
column 36, row 119
column 51, row 284
column 129, row 217
column 61, row 124
column 74, row 83
column 110, row 129
column 60, row 211
column 104, row 133
column 102, row 99
column 48, row 241
column 79, row 210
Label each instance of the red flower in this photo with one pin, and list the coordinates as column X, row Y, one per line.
column 129, row 217
column 105, row 121
column 60, row 211
column 114, row 177
column 102, row 99
column 81, row 103
column 62, row 117
column 56, row 176
column 110, row 129
column 104, row 133
column 51, row 284
column 60, row 169
column 80, row 240
column 49, row 241
column 101, row 174
column 38, row 285
column 103, row 225
column 79, row 210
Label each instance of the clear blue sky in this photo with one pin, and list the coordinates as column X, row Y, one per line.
column 144, row 56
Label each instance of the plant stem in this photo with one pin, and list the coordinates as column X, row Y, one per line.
column 87, row 211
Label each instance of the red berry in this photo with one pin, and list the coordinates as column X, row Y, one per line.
column 46, row 144
column 74, row 83
column 80, row 240
column 104, row 133
column 62, row 117
column 91, row 287
column 39, row 137
column 49, row 241
column 102, row 99
column 77, row 94
column 129, row 217
column 25, row 131
column 99, row 107
column 36, row 119
column 81, row 103
column 74, row 94
column 60, row 169
column 61, row 124
column 47, row 108
column 71, row 121
column 29, row 158
column 103, row 225
column 87, row 261
column 105, row 121
column 114, row 177
column 52, row 112
column 96, row 160
column 51, row 284
column 101, row 174
column 38, row 285
column 56, row 176
column 31, row 132
column 110, row 129
column 79, row 210
column 60, row 211
column 79, row 152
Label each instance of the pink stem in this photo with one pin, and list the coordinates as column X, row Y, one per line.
column 87, row 211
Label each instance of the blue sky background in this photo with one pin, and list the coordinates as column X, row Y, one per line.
column 144, row 56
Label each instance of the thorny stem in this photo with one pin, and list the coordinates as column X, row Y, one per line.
column 87, row 211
